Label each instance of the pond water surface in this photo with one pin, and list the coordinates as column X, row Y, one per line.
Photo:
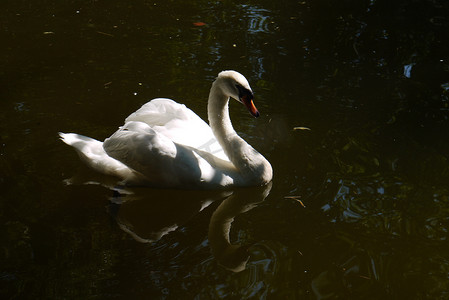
column 354, row 103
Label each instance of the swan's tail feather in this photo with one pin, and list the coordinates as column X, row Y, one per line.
column 72, row 139
column 92, row 153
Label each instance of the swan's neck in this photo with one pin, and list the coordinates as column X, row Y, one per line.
column 252, row 166
column 219, row 120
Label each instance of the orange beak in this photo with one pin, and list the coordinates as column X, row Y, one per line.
column 250, row 106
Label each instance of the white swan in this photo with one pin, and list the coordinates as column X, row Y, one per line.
column 165, row 144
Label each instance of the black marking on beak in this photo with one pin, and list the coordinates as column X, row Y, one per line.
column 246, row 97
column 244, row 92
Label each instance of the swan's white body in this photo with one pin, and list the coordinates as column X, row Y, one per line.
column 165, row 144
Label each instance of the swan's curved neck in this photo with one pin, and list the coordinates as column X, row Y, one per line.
column 251, row 165
column 218, row 114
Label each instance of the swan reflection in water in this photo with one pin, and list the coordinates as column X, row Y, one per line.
column 233, row 256
column 148, row 221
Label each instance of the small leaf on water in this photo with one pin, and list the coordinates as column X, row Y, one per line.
column 296, row 198
column 199, row 24
column 301, row 128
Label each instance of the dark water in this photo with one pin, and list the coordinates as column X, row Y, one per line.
column 370, row 79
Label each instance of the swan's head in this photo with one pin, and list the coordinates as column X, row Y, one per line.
column 235, row 85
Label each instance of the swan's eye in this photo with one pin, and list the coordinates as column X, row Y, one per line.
column 244, row 92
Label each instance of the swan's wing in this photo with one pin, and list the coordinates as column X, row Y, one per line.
column 162, row 161
column 160, row 111
column 179, row 124
column 92, row 153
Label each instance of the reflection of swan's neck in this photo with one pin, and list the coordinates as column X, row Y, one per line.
column 253, row 167
column 232, row 257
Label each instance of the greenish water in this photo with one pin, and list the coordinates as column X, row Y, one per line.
column 370, row 79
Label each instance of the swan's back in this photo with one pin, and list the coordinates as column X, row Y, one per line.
column 179, row 124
